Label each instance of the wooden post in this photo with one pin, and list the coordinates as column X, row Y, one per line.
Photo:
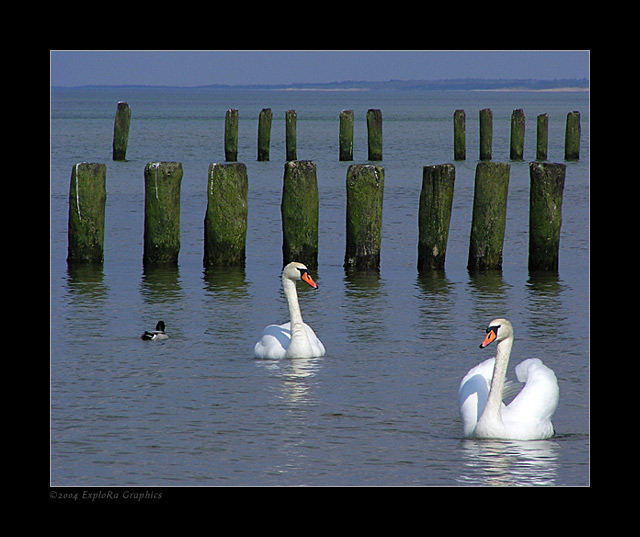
column 572, row 137
column 162, row 182
column 300, row 213
column 486, row 133
column 225, row 222
column 87, row 199
column 121, row 131
column 459, row 135
column 291, row 119
column 517, row 135
column 264, row 133
column 346, row 135
column 374, row 133
column 542, row 137
column 489, row 216
column 365, row 189
column 231, row 123
column 434, row 215
column 545, row 214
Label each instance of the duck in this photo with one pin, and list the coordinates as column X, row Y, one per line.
column 294, row 339
column 480, row 396
column 156, row 334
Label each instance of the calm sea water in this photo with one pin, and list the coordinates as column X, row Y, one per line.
column 380, row 408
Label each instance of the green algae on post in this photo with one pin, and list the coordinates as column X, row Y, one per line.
column 545, row 214
column 231, row 121
column 225, row 222
column 486, row 133
column 542, row 136
column 374, row 133
column 572, row 137
column 162, row 182
column 517, row 135
column 434, row 215
column 87, row 200
column 346, row 135
column 121, row 131
column 300, row 213
column 290, row 120
column 365, row 189
column 264, row 133
column 489, row 216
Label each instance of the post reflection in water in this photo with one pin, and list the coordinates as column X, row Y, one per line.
column 509, row 462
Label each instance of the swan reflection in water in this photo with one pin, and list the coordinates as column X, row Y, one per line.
column 509, row 462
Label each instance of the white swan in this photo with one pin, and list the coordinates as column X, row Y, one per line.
column 528, row 416
column 294, row 339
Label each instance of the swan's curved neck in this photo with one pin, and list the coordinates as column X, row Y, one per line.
column 494, row 402
column 291, row 294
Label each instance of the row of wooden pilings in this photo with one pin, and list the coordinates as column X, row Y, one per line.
column 374, row 134
column 225, row 224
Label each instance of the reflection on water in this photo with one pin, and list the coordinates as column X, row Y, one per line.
column 365, row 306
column 545, row 316
column 509, row 462
column 161, row 284
column 295, row 376
column 488, row 294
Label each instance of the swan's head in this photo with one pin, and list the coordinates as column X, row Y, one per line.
column 297, row 271
column 497, row 330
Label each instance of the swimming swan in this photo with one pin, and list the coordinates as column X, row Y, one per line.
column 158, row 333
column 528, row 416
column 294, row 339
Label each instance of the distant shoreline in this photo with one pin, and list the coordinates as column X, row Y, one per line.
column 466, row 84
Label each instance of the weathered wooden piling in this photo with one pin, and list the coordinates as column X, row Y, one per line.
column 374, row 133
column 225, row 222
column 121, row 131
column 542, row 136
column 162, row 182
column 486, row 133
column 517, row 134
column 346, row 135
column 291, row 134
column 87, row 199
column 545, row 214
column 365, row 189
column 264, row 133
column 434, row 215
column 300, row 213
column 572, row 137
column 489, row 216
column 459, row 135
column 231, row 123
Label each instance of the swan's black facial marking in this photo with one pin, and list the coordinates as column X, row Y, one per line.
column 494, row 329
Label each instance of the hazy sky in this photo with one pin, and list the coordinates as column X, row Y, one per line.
column 194, row 68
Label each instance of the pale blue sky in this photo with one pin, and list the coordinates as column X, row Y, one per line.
column 194, row 68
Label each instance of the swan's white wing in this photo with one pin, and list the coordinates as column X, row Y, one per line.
column 534, row 406
column 316, row 344
column 473, row 394
column 274, row 342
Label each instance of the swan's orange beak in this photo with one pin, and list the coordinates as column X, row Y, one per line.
column 492, row 334
column 306, row 277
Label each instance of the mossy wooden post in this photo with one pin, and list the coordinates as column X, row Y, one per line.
column 365, row 189
column 545, row 214
column 264, row 133
column 486, row 133
column 517, row 134
column 121, row 131
column 374, row 133
column 489, row 216
column 290, row 120
column 346, row 135
column 542, row 136
column 87, row 199
column 300, row 213
column 225, row 222
column 459, row 135
column 162, row 182
column 434, row 215
column 572, row 137
column 231, row 122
